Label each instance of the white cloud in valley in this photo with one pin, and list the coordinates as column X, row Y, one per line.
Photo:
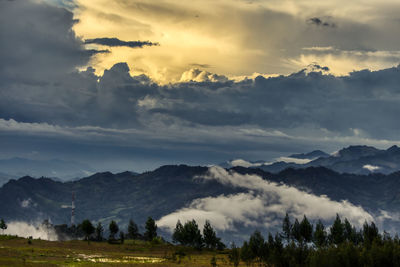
column 263, row 205
column 371, row 168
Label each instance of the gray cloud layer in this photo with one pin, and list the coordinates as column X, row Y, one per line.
column 42, row 93
column 117, row 42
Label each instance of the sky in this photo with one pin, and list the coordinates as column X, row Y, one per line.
column 131, row 85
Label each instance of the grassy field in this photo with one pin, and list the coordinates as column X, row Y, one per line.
column 16, row 251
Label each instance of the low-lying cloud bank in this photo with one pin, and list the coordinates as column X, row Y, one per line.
column 263, row 206
column 35, row 230
column 247, row 164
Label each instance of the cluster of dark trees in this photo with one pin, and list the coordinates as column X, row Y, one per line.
column 303, row 244
column 189, row 235
column 96, row 233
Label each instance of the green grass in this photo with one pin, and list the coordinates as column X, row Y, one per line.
column 16, row 251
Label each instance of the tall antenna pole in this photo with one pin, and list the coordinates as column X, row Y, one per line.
column 73, row 209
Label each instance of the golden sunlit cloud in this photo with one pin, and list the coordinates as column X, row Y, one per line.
column 238, row 38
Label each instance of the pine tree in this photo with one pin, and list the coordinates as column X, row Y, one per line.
column 370, row 233
column 87, row 228
column 245, row 254
column 210, row 237
column 192, row 235
column 336, row 235
column 256, row 244
column 99, row 232
column 177, row 236
column 320, row 235
column 286, row 228
column 133, row 231
column 349, row 232
column 113, row 227
column 296, row 233
column 234, row 255
column 151, row 229
column 306, row 230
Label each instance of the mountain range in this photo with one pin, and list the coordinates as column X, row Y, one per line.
column 181, row 192
column 55, row 168
column 353, row 159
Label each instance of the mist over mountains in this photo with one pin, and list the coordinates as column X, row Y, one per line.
column 236, row 200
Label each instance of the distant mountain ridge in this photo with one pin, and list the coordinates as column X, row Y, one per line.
column 353, row 159
column 106, row 196
column 56, row 168
column 311, row 155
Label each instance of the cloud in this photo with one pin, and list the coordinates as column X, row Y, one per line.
column 247, row 164
column 206, row 31
column 319, row 22
column 26, row 203
column 43, row 34
column 244, row 163
column 117, row 42
column 371, row 168
column 24, row 229
column 197, row 75
column 202, row 112
column 294, row 160
column 197, row 65
column 264, row 205
column 260, row 118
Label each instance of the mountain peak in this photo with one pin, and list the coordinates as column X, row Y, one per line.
column 311, row 155
column 393, row 149
column 354, row 152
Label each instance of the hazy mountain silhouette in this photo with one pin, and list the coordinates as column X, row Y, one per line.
column 106, row 196
column 353, row 159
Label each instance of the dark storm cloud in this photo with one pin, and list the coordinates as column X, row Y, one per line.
column 42, row 94
column 319, row 22
column 363, row 100
column 117, row 42
column 37, row 42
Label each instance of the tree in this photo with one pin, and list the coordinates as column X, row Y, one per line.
column 210, row 237
column 192, row 235
column 256, row 244
column 319, row 236
column 349, row 232
column 178, row 235
column 151, row 229
column 286, row 228
column 3, row 226
column 336, row 235
column 113, row 227
column 234, row 255
column 306, row 230
column 245, row 254
column 87, row 228
column 99, row 232
column 296, row 233
column 133, row 230
column 370, row 233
